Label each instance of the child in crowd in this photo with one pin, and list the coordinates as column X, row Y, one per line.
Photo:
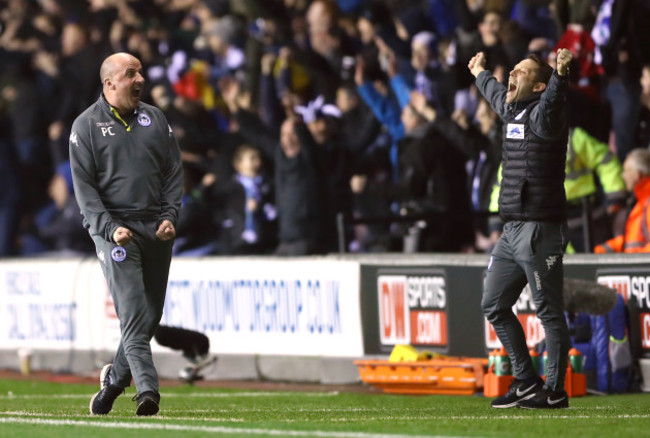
column 248, row 215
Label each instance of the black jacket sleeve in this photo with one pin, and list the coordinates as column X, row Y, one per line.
column 493, row 91
column 548, row 119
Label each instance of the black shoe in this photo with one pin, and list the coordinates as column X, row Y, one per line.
column 546, row 399
column 517, row 391
column 102, row 402
column 147, row 403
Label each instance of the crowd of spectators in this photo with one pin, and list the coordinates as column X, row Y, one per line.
column 293, row 114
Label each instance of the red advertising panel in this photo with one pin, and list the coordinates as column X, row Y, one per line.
column 645, row 330
column 412, row 310
column 428, row 328
column 393, row 316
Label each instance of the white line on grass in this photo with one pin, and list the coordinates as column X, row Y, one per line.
column 174, row 395
column 479, row 417
column 209, row 429
column 158, row 417
column 354, row 419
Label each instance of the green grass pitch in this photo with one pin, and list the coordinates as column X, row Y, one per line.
column 46, row 409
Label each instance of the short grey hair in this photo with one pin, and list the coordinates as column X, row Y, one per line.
column 639, row 159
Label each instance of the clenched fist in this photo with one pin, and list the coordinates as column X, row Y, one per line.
column 166, row 231
column 122, row 236
column 564, row 57
column 477, row 64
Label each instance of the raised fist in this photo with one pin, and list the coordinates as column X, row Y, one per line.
column 564, row 57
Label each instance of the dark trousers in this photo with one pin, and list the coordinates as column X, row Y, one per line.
column 529, row 252
column 138, row 284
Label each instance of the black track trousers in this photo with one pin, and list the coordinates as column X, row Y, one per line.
column 529, row 252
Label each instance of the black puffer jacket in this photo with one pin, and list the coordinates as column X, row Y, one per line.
column 534, row 151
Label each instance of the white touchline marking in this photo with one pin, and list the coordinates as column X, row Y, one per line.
column 210, row 429
column 477, row 418
column 163, row 417
column 129, row 417
column 174, row 395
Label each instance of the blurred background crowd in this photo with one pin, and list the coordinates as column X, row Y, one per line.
column 318, row 126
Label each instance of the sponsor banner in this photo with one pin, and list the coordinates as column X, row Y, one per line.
column 305, row 306
column 51, row 304
column 296, row 307
column 38, row 306
column 412, row 309
column 635, row 284
column 525, row 310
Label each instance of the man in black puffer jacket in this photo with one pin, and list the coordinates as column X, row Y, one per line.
column 532, row 204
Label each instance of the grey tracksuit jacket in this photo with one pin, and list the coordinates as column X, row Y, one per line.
column 121, row 172
column 127, row 172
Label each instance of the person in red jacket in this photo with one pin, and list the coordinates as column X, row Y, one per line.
column 636, row 173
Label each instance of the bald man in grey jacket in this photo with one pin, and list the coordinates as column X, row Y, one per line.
column 128, row 181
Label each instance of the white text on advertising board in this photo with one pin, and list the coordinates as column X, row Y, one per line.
column 640, row 288
column 412, row 309
column 30, row 317
column 263, row 306
column 426, row 292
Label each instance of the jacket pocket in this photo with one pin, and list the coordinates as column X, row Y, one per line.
column 534, row 235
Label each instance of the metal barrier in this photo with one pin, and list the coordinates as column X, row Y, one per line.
column 342, row 221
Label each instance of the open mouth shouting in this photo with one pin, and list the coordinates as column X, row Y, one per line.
column 512, row 90
column 136, row 91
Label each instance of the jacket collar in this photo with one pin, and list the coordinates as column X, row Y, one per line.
column 521, row 104
column 107, row 106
